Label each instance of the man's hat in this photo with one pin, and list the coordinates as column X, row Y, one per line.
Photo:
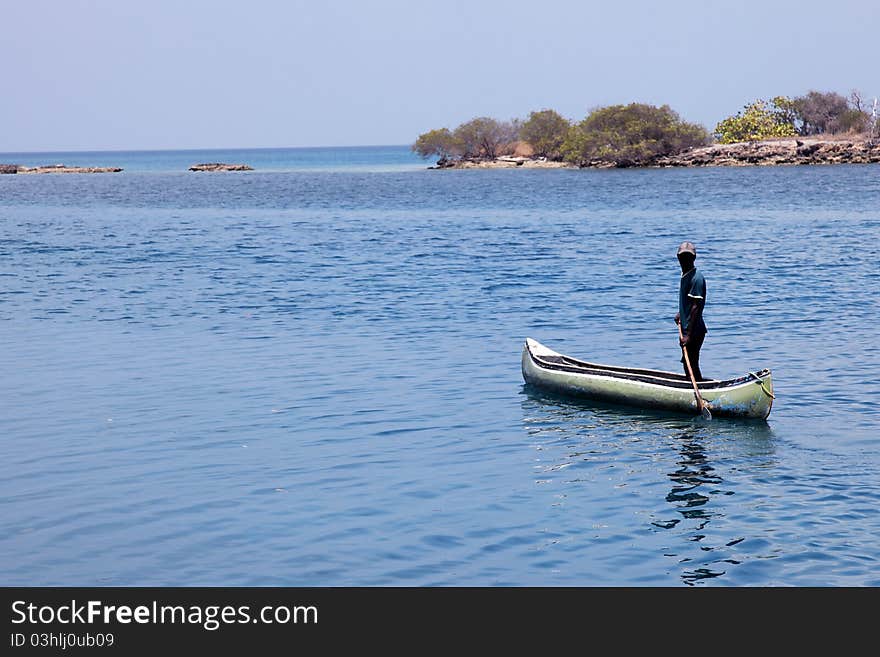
column 687, row 247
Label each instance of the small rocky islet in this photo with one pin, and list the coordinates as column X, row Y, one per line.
column 55, row 168
column 220, row 166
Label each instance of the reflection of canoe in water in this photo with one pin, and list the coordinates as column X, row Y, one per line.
column 746, row 396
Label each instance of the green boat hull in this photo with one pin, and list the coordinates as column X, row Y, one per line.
column 748, row 396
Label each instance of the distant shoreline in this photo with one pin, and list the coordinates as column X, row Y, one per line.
column 17, row 169
column 770, row 152
column 797, row 150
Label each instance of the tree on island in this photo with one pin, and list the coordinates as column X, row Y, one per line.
column 545, row 132
column 759, row 120
column 830, row 113
column 630, row 135
column 816, row 113
column 819, row 112
column 483, row 137
column 441, row 143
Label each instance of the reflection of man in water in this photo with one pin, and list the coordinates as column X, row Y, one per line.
column 691, row 301
column 693, row 472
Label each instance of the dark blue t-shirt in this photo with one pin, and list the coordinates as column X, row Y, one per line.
column 691, row 290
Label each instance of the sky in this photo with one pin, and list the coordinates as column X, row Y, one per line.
column 181, row 74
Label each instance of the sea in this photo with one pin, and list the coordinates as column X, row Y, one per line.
column 309, row 374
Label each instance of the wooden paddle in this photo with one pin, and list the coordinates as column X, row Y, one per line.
column 701, row 405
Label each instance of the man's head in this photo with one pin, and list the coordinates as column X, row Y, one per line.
column 687, row 253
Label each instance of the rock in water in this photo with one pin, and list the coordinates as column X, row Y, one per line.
column 61, row 168
column 220, row 166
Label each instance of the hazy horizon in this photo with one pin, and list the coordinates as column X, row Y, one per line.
column 206, row 149
column 105, row 76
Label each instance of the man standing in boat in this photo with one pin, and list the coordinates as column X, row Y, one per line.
column 691, row 301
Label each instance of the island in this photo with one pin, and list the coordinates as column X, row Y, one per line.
column 220, row 166
column 817, row 128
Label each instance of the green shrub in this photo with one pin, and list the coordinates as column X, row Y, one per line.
column 545, row 132
column 852, row 120
column 630, row 135
column 758, row 120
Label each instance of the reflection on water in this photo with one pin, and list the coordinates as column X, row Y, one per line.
column 695, row 471
column 694, row 455
column 690, row 497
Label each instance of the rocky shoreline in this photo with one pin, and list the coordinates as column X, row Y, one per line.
column 504, row 162
column 771, row 152
column 797, row 151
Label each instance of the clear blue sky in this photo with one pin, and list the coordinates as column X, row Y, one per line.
column 115, row 74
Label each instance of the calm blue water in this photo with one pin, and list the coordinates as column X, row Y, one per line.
column 309, row 374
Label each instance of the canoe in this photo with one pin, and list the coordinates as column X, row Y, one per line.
column 748, row 396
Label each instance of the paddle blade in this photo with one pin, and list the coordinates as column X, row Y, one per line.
column 706, row 413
